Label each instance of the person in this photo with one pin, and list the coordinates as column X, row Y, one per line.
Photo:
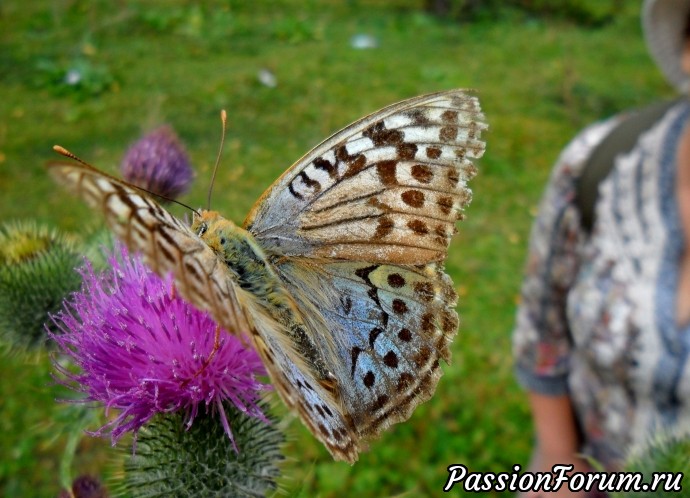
column 602, row 335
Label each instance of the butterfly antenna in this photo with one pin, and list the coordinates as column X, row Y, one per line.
column 223, row 119
column 64, row 152
column 186, row 206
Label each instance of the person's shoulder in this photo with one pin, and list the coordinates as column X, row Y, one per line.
column 632, row 122
column 583, row 143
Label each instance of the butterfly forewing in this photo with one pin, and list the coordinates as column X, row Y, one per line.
column 166, row 243
column 321, row 411
column 388, row 188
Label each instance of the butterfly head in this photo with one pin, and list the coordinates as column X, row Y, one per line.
column 221, row 234
column 211, row 227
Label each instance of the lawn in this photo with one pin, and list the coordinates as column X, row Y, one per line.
column 135, row 65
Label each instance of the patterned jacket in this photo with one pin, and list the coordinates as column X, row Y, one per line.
column 597, row 313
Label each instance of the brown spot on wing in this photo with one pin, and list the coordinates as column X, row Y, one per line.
column 355, row 166
column 449, row 321
column 396, row 280
column 326, row 166
column 382, row 136
column 448, row 133
column 380, row 402
column 422, row 173
column 406, row 152
column 390, row 360
column 445, row 204
column 386, row 172
column 384, row 227
column 375, row 332
column 341, row 154
column 399, row 307
column 405, row 335
column 355, row 354
column 472, row 130
column 413, row 198
column 453, row 177
column 433, row 152
column 369, row 379
column 419, row 117
column 309, row 182
column 424, row 291
column 449, row 116
column 422, row 357
column 376, row 202
column 404, row 381
column 418, row 227
column 427, row 323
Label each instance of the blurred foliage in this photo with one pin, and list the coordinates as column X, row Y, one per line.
column 588, row 13
column 540, row 79
column 79, row 77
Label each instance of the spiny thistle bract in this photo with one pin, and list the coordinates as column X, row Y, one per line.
column 173, row 461
column 667, row 452
column 37, row 271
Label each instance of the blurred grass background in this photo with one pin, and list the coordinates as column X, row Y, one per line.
column 93, row 75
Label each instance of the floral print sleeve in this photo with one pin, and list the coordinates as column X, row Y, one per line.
column 541, row 340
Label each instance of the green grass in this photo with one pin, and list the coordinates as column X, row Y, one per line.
column 145, row 63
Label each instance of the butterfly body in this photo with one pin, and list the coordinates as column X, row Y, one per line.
column 337, row 273
column 254, row 274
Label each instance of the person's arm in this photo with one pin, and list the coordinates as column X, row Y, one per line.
column 555, row 427
column 557, row 440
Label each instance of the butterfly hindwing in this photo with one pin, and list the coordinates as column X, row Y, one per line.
column 390, row 326
column 388, row 188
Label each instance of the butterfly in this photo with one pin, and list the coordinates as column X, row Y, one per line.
column 337, row 272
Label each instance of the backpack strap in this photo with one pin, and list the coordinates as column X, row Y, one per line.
column 621, row 139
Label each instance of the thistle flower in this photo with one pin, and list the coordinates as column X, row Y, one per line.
column 143, row 350
column 158, row 163
column 36, row 273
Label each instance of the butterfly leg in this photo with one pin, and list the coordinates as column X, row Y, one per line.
column 216, row 347
column 207, row 361
column 212, row 354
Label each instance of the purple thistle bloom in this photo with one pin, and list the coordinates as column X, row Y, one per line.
column 158, row 163
column 144, row 350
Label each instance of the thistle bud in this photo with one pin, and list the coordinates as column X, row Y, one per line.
column 158, row 163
